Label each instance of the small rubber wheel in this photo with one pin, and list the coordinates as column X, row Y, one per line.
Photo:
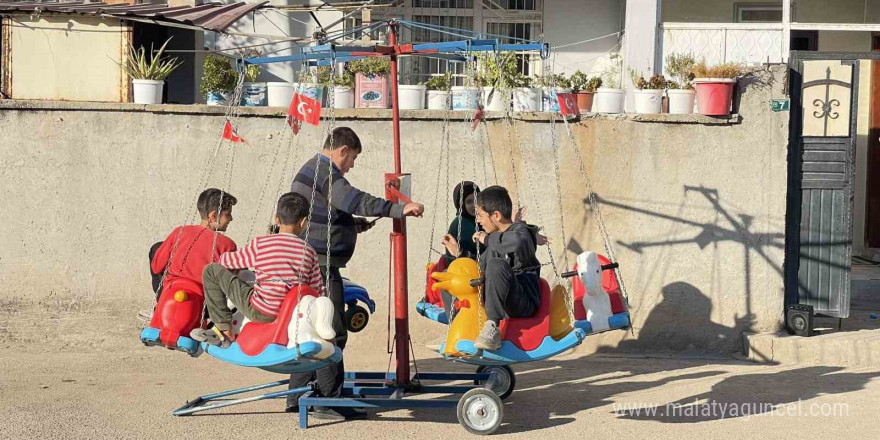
column 504, row 383
column 356, row 318
column 480, row 411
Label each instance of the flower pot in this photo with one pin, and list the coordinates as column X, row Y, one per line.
column 549, row 102
column 372, row 91
column 609, row 100
column 280, row 93
column 216, row 98
column 714, row 95
column 438, row 100
column 648, row 100
column 147, row 91
column 681, row 102
column 527, row 99
column 411, row 97
column 496, row 100
column 254, row 94
column 343, row 97
column 465, row 98
column 311, row 90
column 585, row 101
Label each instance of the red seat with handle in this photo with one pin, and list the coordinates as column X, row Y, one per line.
column 256, row 336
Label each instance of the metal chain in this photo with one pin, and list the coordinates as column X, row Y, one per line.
column 444, row 138
column 269, row 170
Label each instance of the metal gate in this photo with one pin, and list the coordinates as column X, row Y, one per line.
column 824, row 91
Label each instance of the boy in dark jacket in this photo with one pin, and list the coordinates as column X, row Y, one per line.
column 510, row 268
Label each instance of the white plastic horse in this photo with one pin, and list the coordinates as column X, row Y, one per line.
column 312, row 321
column 596, row 300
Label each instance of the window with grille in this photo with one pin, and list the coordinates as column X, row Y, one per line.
column 758, row 13
column 420, row 69
column 513, row 31
column 515, row 5
column 444, row 4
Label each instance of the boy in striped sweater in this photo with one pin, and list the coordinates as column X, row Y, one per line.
column 280, row 262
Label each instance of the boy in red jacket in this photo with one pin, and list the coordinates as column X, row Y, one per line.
column 189, row 248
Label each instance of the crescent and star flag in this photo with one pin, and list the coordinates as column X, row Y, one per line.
column 230, row 134
column 567, row 104
column 304, row 109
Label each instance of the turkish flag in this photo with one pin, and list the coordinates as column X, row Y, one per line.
column 568, row 104
column 304, row 109
column 230, row 134
column 478, row 116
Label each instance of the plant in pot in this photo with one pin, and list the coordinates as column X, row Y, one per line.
column 609, row 96
column 680, row 89
column 218, row 80
column 253, row 93
column 148, row 73
column 526, row 97
column 551, row 85
column 342, row 87
column 585, row 88
column 714, row 87
column 648, row 95
column 438, row 92
column 499, row 74
column 371, row 82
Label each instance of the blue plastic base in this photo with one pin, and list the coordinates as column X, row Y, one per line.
column 276, row 358
column 511, row 354
column 150, row 337
column 432, row 312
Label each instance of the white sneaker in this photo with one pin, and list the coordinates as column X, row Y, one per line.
column 489, row 338
column 145, row 315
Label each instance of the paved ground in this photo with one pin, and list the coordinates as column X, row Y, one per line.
column 128, row 392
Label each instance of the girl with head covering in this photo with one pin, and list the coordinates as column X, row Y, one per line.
column 458, row 240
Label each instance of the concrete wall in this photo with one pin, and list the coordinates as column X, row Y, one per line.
column 695, row 205
column 571, row 21
column 66, row 58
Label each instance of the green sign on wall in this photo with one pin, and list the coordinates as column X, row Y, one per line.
column 780, row 105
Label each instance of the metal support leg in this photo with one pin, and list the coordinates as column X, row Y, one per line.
column 199, row 404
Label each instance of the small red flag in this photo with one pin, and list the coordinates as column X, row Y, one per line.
column 567, row 104
column 478, row 116
column 305, row 109
column 230, row 134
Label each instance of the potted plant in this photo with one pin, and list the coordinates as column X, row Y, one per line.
column 411, row 96
column 253, row 93
column 610, row 97
column 680, row 89
column 714, row 87
column 525, row 97
column 148, row 74
column 552, row 85
column 218, row 79
column 438, row 92
column 585, row 88
column 371, row 82
column 498, row 74
column 343, row 89
column 648, row 95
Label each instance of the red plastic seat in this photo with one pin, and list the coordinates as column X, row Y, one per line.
column 528, row 333
column 175, row 318
column 256, row 336
column 433, row 297
column 609, row 283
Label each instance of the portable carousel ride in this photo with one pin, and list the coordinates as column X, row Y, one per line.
column 297, row 340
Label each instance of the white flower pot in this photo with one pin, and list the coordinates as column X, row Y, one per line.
column 681, row 102
column 464, row 98
column 254, row 94
column 411, row 97
column 648, row 100
column 343, row 97
column 280, row 93
column 549, row 102
column 438, row 100
column 311, row 90
column 495, row 100
column 147, row 91
column 609, row 100
column 527, row 99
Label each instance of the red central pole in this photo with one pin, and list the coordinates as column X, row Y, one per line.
column 398, row 237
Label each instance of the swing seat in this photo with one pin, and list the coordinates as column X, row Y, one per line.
column 620, row 318
column 265, row 345
column 434, row 312
column 177, row 313
column 524, row 339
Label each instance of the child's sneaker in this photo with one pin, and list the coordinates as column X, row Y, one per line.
column 490, row 337
column 211, row 336
column 145, row 315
